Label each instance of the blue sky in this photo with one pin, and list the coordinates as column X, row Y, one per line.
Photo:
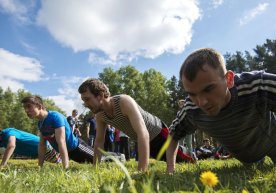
column 49, row 47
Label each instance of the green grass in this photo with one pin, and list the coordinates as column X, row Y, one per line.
column 24, row 176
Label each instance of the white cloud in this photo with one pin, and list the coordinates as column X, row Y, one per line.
column 67, row 104
column 95, row 59
column 15, row 68
column 69, row 98
column 9, row 83
column 251, row 14
column 217, row 3
column 123, row 29
column 64, row 103
column 18, row 9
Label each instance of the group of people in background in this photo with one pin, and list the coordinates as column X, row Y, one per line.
column 115, row 140
column 237, row 110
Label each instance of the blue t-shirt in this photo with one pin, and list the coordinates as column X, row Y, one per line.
column 26, row 143
column 53, row 121
column 109, row 136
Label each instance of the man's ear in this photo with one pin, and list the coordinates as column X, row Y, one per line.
column 100, row 96
column 229, row 78
column 39, row 106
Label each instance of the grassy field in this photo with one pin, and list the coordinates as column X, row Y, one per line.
column 24, row 176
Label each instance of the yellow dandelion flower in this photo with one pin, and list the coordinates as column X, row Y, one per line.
column 209, row 178
column 244, row 191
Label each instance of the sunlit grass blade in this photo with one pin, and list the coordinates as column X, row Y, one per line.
column 121, row 165
column 164, row 147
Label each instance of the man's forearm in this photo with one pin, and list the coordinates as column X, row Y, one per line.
column 64, row 155
column 171, row 155
column 97, row 154
column 41, row 155
column 7, row 154
column 143, row 152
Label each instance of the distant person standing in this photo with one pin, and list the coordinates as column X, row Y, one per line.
column 91, row 130
column 73, row 122
column 109, row 139
column 117, row 140
column 124, row 145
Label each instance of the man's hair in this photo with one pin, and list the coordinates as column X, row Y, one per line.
column 95, row 86
column 33, row 99
column 197, row 59
column 75, row 111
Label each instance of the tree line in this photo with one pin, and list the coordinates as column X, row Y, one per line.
column 12, row 113
column 152, row 91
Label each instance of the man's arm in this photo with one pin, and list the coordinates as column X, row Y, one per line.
column 130, row 109
column 9, row 150
column 41, row 150
column 77, row 131
column 177, row 131
column 60, row 138
column 100, row 138
column 171, row 155
column 87, row 129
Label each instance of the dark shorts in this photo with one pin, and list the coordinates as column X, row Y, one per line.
column 83, row 153
column 157, row 143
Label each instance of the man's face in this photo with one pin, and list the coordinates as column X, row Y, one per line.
column 207, row 143
column 31, row 110
column 209, row 90
column 91, row 101
column 181, row 104
column 75, row 113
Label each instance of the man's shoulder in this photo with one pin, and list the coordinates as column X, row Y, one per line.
column 123, row 97
column 125, row 102
column 55, row 115
column 254, row 81
column 251, row 77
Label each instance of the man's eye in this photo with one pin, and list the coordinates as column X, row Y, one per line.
column 208, row 89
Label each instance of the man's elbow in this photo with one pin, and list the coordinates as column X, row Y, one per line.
column 13, row 146
column 144, row 135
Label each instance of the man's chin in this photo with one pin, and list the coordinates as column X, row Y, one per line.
column 95, row 111
column 212, row 113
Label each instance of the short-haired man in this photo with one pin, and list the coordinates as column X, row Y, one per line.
column 236, row 110
column 54, row 128
column 73, row 122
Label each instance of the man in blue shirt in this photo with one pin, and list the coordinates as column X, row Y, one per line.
column 25, row 144
column 54, row 127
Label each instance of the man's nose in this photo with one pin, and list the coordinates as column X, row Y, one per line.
column 201, row 101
